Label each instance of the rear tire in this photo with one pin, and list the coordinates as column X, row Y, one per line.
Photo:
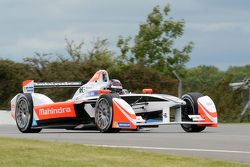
column 104, row 113
column 24, row 114
column 191, row 108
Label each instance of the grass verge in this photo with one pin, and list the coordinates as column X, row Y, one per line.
column 25, row 153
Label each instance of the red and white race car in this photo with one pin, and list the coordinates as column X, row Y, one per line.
column 103, row 104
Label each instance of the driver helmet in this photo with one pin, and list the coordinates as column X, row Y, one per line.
column 115, row 86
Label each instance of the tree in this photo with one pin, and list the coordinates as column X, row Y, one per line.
column 74, row 50
column 202, row 78
column 154, row 43
column 239, row 73
column 228, row 102
column 98, row 57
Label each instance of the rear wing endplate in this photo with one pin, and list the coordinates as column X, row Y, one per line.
column 30, row 85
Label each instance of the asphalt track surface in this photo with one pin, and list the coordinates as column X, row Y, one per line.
column 227, row 142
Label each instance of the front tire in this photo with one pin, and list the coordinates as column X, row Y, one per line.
column 191, row 108
column 104, row 113
column 24, row 114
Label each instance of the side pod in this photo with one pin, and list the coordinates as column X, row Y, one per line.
column 123, row 115
column 207, row 110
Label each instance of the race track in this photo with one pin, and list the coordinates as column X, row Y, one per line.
column 227, row 142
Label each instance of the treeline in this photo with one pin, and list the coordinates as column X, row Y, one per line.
column 145, row 61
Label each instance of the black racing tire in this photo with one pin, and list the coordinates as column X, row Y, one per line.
column 191, row 108
column 24, row 114
column 104, row 113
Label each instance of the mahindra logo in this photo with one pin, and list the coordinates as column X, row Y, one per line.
column 51, row 111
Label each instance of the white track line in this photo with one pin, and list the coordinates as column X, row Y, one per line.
column 174, row 149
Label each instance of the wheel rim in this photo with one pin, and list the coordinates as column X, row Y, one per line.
column 104, row 114
column 22, row 113
column 188, row 109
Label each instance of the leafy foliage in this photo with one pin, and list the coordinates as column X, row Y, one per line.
column 12, row 74
column 201, row 78
column 239, row 73
column 154, row 43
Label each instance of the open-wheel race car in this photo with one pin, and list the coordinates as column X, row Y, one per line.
column 103, row 104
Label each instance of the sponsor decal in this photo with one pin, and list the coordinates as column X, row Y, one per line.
column 82, row 89
column 55, row 110
column 50, row 111
column 196, row 117
column 55, row 84
column 116, row 124
column 124, row 124
column 29, row 89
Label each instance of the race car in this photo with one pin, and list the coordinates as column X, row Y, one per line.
column 103, row 104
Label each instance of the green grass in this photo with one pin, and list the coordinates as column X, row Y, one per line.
column 25, row 153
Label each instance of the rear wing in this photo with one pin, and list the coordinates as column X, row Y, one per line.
column 100, row 76
column 30, row 85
